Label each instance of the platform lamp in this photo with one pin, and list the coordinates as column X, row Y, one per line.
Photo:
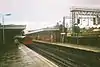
column 2, row 16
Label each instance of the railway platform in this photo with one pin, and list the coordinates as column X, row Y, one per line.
column 23, row 57
column 75, row 46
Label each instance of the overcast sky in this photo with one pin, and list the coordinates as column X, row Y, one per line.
column 40, row 13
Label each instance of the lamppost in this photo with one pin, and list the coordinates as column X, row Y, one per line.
column 3, row 32
column 64, row 33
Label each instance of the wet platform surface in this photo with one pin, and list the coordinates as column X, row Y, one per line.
column 23, row 57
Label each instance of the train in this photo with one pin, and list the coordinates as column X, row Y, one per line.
column 26, row 40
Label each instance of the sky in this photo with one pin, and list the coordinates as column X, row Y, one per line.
column 40, row 13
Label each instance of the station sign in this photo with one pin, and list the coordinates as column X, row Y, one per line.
column 62, row 33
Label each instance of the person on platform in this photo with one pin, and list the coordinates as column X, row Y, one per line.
column 17, row 43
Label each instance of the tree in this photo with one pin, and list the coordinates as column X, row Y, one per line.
column 76, row 29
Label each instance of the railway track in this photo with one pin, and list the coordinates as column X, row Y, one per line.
column 59, row 61
column 62, row 57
